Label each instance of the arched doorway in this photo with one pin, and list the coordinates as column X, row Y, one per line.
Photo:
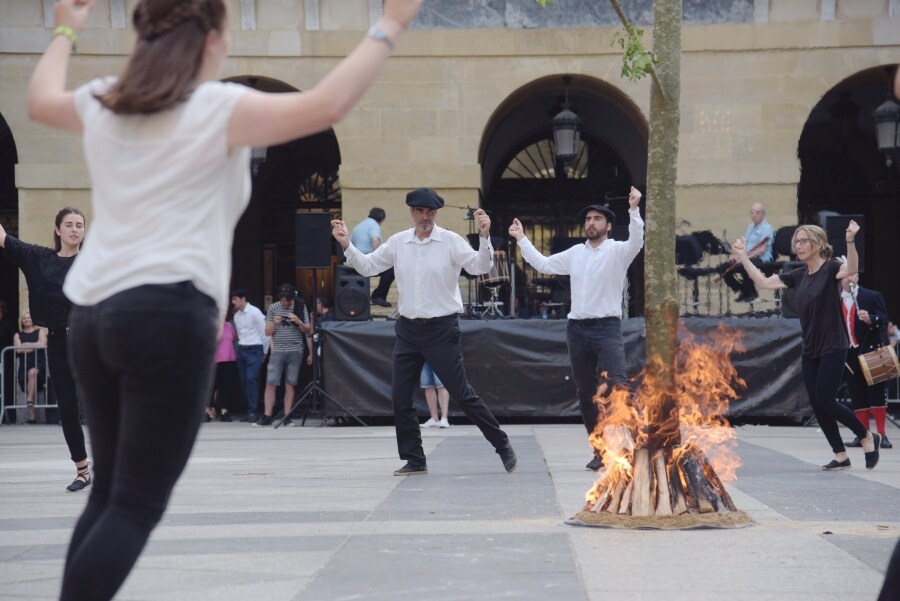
column 522, row 177
column 9, row 216
column 843, row 172
column 298, row 176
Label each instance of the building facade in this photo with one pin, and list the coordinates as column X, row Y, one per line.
column 776, row 102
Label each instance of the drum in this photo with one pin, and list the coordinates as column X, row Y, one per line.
column 499, row 273
column 880, row 365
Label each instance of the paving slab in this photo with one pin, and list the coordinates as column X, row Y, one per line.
column 315, row 513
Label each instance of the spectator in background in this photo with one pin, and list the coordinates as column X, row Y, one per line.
column 287, row 322
column 250, row 327
column 366, row 237
column 893, row 333
column 32, row 362
column 758, row 240
column 435, row 394
column 324, row 309
column 227, row 383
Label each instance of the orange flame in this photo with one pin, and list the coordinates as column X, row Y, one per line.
column 705, row 382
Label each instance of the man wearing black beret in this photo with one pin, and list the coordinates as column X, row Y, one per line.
column 597, row 269
column 427, row 260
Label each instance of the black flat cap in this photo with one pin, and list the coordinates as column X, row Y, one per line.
column 607, row 212
column 424, row 197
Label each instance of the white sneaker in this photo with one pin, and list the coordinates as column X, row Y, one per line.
column 444, row 423
column 430, row 424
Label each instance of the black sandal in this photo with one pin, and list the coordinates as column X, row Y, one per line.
column 82, row 480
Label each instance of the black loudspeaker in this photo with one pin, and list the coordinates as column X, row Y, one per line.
column 312, row 240
column 835, row 228
column 351, row 295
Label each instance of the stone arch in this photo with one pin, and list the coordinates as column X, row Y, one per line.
column 842, row 171
column 520, row 176
column 298, row 176
column 9, row 215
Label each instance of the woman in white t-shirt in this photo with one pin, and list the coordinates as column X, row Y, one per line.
column 167, row 148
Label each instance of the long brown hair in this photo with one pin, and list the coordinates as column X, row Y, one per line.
column 168, row 54
column 57, row 242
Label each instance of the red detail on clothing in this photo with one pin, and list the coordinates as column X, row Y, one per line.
column 850, row 321
column 863, row 416
column 879, row 414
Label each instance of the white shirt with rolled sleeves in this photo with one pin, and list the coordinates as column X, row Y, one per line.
column 427, row 271
column 597, row 274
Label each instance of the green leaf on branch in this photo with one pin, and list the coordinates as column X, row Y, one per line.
column 637, row 61
column 544, row 3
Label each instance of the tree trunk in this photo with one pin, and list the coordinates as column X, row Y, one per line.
column 661, row 308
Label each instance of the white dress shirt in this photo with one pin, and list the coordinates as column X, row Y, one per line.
column 427, row 271
column 597, row 274
column 250, row 324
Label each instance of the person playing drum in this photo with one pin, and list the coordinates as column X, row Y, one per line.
column 594, row 330
column 825, row 340
column 865, row 316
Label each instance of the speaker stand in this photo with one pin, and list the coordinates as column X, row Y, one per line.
column 314, row 393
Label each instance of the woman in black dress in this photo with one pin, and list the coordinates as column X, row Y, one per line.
column 32, row 362
column 825, row 338
column 45, row 271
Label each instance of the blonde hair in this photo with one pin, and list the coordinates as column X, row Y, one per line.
column 816, row 236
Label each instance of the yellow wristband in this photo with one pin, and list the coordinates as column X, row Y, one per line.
column 69, row 33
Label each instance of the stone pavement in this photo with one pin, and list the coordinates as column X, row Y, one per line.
column 315, row 514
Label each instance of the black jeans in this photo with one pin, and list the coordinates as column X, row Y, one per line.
column 595, row 346
column 436, row 341
column 822, row 377
column 384, row 284
column 144, row 364
column 64, row 388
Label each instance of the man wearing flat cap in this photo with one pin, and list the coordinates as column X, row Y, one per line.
column 594, row 330
column 427, row 260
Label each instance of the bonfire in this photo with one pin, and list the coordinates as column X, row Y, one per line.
column 668, row 452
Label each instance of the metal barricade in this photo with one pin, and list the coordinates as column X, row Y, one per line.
column 19, row 401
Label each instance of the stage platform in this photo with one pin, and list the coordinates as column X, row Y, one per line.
column 520, row 367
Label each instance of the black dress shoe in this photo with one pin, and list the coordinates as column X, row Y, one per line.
column 853, row 443
column 885, row 443
column 595, row 463
column 412, row 469
column 508, row 456
column 380, row 302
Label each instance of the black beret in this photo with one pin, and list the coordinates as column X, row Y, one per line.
column 607, row 212
column 424, row 197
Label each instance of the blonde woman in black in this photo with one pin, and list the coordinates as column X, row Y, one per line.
column 825, row 340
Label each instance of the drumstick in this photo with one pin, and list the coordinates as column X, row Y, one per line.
column 847, row 365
